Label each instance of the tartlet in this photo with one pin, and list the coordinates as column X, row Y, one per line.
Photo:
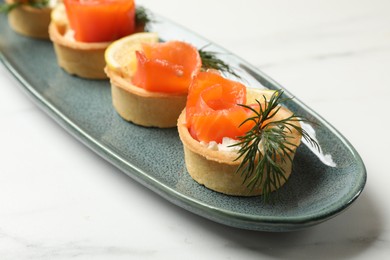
column 216, row 169
column 145, row 108
column 82, row 30
column 156, row 103
column 30, row 21
column 82, row 59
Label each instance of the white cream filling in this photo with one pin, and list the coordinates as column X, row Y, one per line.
column 69, row 35
column 225, row 146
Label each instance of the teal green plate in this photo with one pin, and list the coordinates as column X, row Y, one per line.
column 322, row 184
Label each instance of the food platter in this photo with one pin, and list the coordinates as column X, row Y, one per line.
column 322, row 185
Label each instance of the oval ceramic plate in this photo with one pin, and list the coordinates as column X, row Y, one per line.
column 322, row 183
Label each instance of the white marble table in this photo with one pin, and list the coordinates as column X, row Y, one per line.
column 58, row 200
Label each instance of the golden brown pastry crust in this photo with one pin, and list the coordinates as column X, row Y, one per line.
column 30, row 21
column 142, row 107
column 216, row 169
column 85, row 60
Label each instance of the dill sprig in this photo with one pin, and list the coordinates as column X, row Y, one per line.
column 39, row 3
column 8, row 7
column 267, row 144
column 211, row 61
column 142, row 16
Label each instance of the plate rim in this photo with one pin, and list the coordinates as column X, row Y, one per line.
column 217, row 214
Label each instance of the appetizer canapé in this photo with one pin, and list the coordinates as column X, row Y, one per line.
column 237, row 141
column 82, row 30
column 29, row 17
column 150, row 79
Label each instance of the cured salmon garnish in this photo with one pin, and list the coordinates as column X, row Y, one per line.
column 212, row 110
column 101, row 20
column 166, row 67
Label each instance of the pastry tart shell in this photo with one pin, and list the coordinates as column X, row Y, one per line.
column 85, row 60
column 30, row 21
column 216, row 170
column 142, row 107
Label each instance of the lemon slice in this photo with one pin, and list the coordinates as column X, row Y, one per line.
column 252, row 94
column 120, row 55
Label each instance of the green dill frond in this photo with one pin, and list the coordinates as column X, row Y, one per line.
column 39, row 3
column 142, row 16
column 268, row 144
column 8, row 7
column 211, row 61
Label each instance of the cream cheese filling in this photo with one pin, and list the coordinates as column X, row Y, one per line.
column 227, row 145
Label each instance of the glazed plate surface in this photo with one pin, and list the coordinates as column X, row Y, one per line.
column 322, row 184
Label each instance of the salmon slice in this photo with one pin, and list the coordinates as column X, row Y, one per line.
column 166, row 67
column 101, row 20
column 212, row 110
